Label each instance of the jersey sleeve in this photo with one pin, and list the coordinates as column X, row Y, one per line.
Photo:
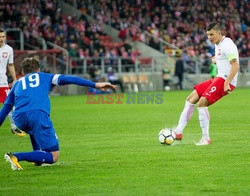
column 231, row 51
column 55, row 79
column 67, row 79
column 11, row 57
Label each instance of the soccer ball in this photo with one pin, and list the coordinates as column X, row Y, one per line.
column 166, row 136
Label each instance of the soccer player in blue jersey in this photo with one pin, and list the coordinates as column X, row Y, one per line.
column 30, row 96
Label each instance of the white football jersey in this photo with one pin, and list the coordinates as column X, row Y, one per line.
column 225, row 51
column 6, row 57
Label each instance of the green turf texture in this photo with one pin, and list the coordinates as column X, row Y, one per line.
column 114, row 150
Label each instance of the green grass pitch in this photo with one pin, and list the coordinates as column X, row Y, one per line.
column 114, row 150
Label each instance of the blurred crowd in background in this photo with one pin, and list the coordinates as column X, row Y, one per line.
column 181, row 23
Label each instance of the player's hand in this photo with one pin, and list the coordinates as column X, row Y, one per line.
column 104, row 86
column 213, row 60
column 227, row 87
column 10, row 85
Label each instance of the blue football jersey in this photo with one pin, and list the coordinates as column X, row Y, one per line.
column 31, row 92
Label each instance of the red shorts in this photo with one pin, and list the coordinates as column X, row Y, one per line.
column 212, row 89
column 3, row 93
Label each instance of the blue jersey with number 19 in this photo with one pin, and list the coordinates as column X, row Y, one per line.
column 31, row 92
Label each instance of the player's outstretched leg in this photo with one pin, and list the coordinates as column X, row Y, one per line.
column 184, row 118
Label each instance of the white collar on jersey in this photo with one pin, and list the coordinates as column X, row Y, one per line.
column 3, row 45
column 223, row 37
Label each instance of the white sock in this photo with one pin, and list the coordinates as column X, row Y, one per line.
column 204, row 118
column 185, row 117
column 12, row 124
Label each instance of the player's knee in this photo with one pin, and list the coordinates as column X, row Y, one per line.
column 55, row 156
column 193, row 97
column 55, row 159
column 203, row 102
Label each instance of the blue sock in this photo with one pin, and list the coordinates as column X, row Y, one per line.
column 35, row 156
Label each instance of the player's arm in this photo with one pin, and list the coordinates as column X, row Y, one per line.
column 7, row 107
column 12, row 71
column 11, row 66
column 66, row 79
column 4, row 112
column 233, row 72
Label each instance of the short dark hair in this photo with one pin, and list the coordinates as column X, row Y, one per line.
column 30, row 65
column 214, row 25
column 1, row 30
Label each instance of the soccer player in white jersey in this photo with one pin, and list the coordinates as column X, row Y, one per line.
column 208, row 92
column 7, row 60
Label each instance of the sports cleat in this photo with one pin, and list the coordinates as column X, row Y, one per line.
column 203, row 142
column 178, row 136
column 9, row 157
column 18, row 132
